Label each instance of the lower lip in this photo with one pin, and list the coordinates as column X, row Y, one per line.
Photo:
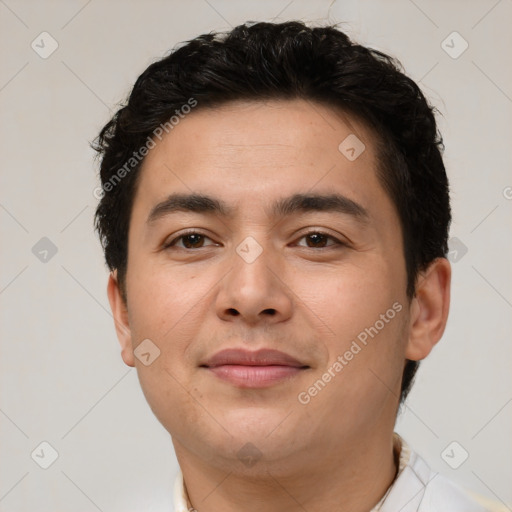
column 254, row 376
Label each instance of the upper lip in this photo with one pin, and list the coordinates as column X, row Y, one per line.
column 262, row 357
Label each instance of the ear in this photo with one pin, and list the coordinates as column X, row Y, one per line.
column 429, row 309
column 120, row 313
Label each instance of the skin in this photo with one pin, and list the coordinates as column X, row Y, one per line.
column 303, row 297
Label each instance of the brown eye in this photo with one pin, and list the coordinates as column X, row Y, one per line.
column 193, row 241
column 318, row 240
column 190, row 240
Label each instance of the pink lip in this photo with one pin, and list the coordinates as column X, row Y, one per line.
column 261, row 368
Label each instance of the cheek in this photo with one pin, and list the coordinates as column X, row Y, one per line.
column 164, row 300
column 172, row 398
column 366, row 313
column 165, row 309
column 354, row 298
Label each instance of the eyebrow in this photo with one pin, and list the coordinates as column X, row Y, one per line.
column 297, row 203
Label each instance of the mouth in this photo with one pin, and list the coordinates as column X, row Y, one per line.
column 257, row 369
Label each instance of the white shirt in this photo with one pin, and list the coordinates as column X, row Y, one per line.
column 416, row 488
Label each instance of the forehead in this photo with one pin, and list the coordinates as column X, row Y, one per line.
column 267, row 132
column 253, row 152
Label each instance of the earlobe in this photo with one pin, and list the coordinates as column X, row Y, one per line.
column 120, row 314
column 429, row 309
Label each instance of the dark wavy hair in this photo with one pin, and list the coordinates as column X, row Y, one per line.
column 261, row 61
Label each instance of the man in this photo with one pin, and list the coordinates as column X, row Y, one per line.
column 275, row 213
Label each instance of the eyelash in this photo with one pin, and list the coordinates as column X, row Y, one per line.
column 314, row 232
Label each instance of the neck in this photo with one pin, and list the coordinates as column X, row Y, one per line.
column 351, row 478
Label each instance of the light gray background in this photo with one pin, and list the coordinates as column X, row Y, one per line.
column 62, row 377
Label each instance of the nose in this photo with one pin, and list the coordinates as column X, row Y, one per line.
column 254, row 291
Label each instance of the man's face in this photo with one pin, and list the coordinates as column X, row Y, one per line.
column 315, row 284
